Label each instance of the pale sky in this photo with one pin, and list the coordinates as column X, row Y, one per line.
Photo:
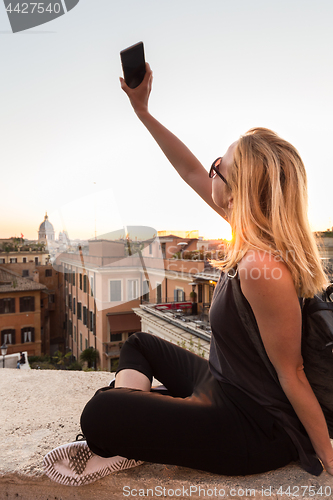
column 72, row 146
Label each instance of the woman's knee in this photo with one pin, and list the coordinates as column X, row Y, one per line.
column 138, row 338
column 103, row 407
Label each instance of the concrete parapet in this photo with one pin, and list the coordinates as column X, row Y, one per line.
column 40, row 409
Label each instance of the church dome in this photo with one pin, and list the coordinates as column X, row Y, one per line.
column 46, row 230
column 46, row 225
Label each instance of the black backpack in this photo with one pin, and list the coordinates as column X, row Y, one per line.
column 317, row 344
column 317, row 350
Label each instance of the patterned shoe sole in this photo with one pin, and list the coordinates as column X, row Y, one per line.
column 73, row 459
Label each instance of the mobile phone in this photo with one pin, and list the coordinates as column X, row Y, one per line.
column 134, row 64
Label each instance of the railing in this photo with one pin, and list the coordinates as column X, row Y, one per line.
column 112, row 348
column 183, row 310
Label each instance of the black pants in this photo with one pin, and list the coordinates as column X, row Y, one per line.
column 201, row 424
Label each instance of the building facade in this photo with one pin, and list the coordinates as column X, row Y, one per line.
column 105, row 287
column 21, row 324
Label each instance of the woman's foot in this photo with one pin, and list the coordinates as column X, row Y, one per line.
column 74, row 464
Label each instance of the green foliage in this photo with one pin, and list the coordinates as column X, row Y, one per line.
column 60, row 359
column 41, row 359
column 75, row 366
column 42, row 365
column 90, row 356
column 57, row 362
column 190, row 346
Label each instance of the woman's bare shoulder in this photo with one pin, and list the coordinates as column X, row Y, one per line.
column 264, row 273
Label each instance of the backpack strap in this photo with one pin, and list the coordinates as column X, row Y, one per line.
column 248, row 319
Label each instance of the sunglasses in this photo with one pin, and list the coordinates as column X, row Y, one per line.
column 214, row 170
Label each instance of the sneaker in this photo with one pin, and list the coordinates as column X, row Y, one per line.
column 74, row 464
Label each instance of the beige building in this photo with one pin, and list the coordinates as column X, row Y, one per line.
column 37, row 257
column 107, row 288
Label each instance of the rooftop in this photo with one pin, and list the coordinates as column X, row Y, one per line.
column 13, row 282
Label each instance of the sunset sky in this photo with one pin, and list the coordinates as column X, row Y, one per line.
column 72, row 146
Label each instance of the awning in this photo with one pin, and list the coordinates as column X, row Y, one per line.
column 124, row 322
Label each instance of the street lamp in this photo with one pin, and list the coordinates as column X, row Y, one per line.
column 3, row 353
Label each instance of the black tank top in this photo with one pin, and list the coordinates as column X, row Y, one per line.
column 234, row 360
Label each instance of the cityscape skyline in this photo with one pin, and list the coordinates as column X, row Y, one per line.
column 72, row 146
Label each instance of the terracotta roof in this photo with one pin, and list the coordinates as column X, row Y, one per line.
column 13, row 282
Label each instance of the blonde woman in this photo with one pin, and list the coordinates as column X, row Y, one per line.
column 226, row 415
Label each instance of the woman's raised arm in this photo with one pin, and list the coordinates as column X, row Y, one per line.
column 186, row 164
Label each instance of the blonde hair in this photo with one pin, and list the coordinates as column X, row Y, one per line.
column 269, row 188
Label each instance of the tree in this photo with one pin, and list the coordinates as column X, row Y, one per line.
column 90, row 356
column 60, row 359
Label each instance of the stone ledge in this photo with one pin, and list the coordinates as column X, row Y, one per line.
column 40, row 410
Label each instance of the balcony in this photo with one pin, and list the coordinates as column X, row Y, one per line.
column 112, row 349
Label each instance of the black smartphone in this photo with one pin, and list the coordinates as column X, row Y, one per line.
column 134, row 64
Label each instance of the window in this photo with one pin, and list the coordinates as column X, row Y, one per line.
column 80, row 341
column 150, row 248
column 36, row 260
column 91, row 321
column 24, row 260
column 132, row 289
column 48, row 273
column 79, row 310
column 74, row 300
column 92, row 286
column 85, row 283
column 200, row 293
column 74, row 333
column 27, row 304
column 25, row 273
column 115, row 290
column 2, row 261
column 27, row 334
column 7, row 306
column 51, row 298
column 70, row 328
column 73, row 279
column 145, row 290
column 178, row 295
column 13, row 260
column 86, row 343
column 70, row 301
column 80, row 281
column 84, row 315
column 116, row 337
column 159, row 293
column 8, row 337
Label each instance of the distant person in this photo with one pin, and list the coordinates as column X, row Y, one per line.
column 226, row 415
column 22, row 358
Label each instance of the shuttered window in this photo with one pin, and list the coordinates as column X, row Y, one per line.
column 27, row 304
column 27, row 334
column 7, row 306
column 8, row 337
column 115, row 291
